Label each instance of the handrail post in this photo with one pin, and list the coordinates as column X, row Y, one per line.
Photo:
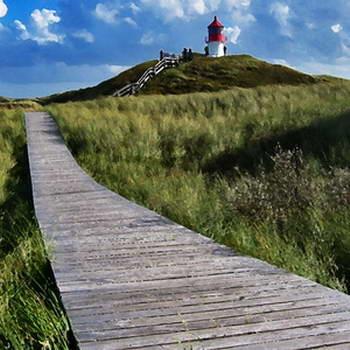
column 164, row 63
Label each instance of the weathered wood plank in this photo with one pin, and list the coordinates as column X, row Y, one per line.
column 131, row 279
column 233, row 336
column 207, row 306
column 333, row 341
column 193, row 313
column 187, row 298
column 183, row 325
column 125, row 328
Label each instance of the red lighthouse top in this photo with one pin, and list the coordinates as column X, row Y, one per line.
column 216, row 24
column 216, row 31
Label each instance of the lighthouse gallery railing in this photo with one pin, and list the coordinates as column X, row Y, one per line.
column 133, row 88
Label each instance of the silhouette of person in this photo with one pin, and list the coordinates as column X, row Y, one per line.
column 190, row 55
column 185, row 54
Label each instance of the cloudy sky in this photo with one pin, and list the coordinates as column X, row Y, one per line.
column 48, row 46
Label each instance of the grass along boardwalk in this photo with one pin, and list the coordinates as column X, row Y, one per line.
column 131, row 279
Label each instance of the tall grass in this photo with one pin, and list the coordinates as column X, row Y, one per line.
column 30, row 313
column 208, row 160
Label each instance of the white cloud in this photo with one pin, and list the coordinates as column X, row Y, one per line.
column 240, row 11
column 147, row 39
column 243, row 17
column 186, row 9
column 213, row 5
column 238, row 3
column 168, row 9
column 345, row 48
column 40, row 30
column 20, row 26
column 341, row 67
column 130, row 21
column 282, row 14
column 181, row 9
column 3, row 9
column 233, row 34
column 336, row 28
column 197, row 7
column 84, row 35
column 115, row 69
column 343, row 60
column 282, row 62
column 45, row 17
column 344, row 39
column 23, row 29
column 134, row 8
column 106, row 13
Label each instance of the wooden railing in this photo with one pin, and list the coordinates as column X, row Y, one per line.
column 133, row 88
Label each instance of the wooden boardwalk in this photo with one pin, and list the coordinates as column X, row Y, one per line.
column 131, row 279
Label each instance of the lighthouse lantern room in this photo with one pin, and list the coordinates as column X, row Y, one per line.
column 216, row 40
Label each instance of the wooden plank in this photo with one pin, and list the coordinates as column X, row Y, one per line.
column 334, row 341
column 127, row 329
column 215, row 305
column 274, row 331
column 132, row 279
column 188, row 314
column 186, row 298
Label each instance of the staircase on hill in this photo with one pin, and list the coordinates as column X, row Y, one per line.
column 133, row 88
column 132, row 279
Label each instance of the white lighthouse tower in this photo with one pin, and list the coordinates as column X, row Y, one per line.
column 216, row 40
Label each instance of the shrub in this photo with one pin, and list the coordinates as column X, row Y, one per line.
column 287, row 191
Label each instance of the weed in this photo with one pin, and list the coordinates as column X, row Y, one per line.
column 31, row 316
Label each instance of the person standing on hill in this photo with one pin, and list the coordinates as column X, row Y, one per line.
column 184, row 54
column 190, row 55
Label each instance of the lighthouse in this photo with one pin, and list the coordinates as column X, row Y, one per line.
column 216, row 40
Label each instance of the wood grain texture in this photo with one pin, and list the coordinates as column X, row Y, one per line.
column 132, row 279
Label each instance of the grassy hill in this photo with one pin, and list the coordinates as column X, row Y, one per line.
column 203, row 74
column 4, row 99
column 106, row 88
column 25, row 104
column 263, row 170
column 7, row 104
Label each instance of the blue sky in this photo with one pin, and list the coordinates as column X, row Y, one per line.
column 48, row 46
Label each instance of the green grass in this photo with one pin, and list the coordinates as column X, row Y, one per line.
column 262, row 170
column 28, row 105
column 206, row 74
column 31, row 316
column 203, row 74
